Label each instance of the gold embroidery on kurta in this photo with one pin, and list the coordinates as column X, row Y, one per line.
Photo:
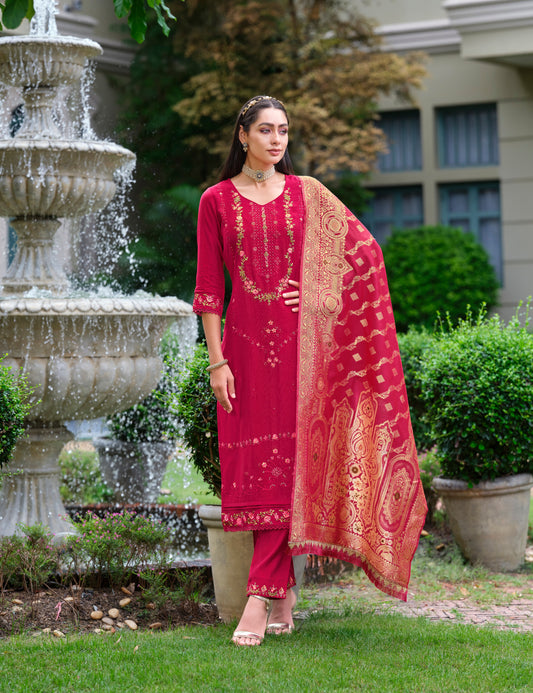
column 249, row 284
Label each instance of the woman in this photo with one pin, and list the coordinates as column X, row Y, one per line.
column 316, row 448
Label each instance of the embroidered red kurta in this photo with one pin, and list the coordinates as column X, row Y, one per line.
column 344, row 441
column 261, row 248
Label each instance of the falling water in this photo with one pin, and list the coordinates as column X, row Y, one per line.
column 44, row 19
column 86, row 353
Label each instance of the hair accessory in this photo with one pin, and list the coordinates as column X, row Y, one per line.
column 214, row 366
column 245, row 147
column 247, row 107
column 258, row 175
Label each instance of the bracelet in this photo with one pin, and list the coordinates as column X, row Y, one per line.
column 214, row 366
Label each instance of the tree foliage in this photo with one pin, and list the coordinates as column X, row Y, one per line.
column 183, row 95
column 137, row 12
column 322, row 59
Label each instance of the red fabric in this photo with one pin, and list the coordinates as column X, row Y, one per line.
column 261, row 247
column 354, row 490
column 357, row 489
column 271, row 571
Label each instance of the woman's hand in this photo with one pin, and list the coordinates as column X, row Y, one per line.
column 223, row 385
column 292, row 298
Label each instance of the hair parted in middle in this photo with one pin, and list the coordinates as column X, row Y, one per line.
column 248, row 115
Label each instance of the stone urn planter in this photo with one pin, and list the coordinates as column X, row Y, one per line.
column 231, row 556
column 133, row 471
column 489, row 520
column 475, row 382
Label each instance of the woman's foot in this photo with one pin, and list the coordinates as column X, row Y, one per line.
column 251, row 628
column 280, row 620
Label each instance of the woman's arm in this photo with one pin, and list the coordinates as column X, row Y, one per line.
column 221, row 379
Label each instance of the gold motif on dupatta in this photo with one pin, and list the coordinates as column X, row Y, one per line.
column 357, row 492
column 250, row 286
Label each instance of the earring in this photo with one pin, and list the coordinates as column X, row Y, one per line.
column 245, row 147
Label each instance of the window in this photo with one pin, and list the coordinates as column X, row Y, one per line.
column 475, row 207
column 468, row 136
column 394, row 208
column 402, row 129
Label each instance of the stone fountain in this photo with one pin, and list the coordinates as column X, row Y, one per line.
column 86, row 356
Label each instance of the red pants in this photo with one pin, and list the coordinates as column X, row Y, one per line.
column 271, row 572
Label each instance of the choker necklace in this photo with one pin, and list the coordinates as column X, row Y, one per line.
column 258, row 176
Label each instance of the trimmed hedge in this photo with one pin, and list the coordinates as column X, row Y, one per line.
column 477, row 385
column 413, row 345
column 437, row 269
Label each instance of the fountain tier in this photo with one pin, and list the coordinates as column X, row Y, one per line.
column 85, row 357
column 56, row 178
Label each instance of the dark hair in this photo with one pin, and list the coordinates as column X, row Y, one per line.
column 248, row 115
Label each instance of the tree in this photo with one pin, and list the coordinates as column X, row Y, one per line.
column 12, row 12
column 322, row 58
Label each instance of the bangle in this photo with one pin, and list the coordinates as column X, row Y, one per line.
column 214, row 366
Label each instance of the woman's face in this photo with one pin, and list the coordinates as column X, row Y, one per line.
column 267, row 138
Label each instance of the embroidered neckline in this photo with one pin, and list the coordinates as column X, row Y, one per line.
column 249, row 285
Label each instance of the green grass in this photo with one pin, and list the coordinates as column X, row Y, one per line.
column 185, row 483
column 355, row 651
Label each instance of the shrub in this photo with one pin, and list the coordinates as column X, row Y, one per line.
column 115, row 545
column 429, row 469
column 435, row 269
column 81, row 478
column 29, row 559
column 196, row 408
column 14, row 406
column 413, row 345
column 477, row 383
column 150, row 420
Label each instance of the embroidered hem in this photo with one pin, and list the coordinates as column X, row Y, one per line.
column 207, row 303
column 245, row 520
column 272, row 592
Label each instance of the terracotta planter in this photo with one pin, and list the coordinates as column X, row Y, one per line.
column 489, row 521
column 133, row 471
column 231, row 556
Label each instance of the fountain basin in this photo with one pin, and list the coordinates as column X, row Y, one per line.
column 55, row 178
column 86, row 357
column 44, row 62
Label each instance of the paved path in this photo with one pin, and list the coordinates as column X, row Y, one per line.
column 517, row 615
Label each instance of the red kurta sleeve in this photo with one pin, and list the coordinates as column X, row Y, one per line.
column 209, row 292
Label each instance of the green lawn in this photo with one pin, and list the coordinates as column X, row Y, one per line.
column 185, row 484
column 355, row 651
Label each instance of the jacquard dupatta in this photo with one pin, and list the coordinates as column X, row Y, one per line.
column 357, row 490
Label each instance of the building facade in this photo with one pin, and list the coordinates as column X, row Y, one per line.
column 463, row 155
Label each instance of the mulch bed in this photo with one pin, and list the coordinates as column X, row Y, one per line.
column 61, row 610
column 64, row 610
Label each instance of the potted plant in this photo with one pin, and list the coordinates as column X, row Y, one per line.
column 133, row 460
column 231, row 552
column 477, row 384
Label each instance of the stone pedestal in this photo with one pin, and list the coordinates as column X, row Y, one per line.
column 30, row 494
